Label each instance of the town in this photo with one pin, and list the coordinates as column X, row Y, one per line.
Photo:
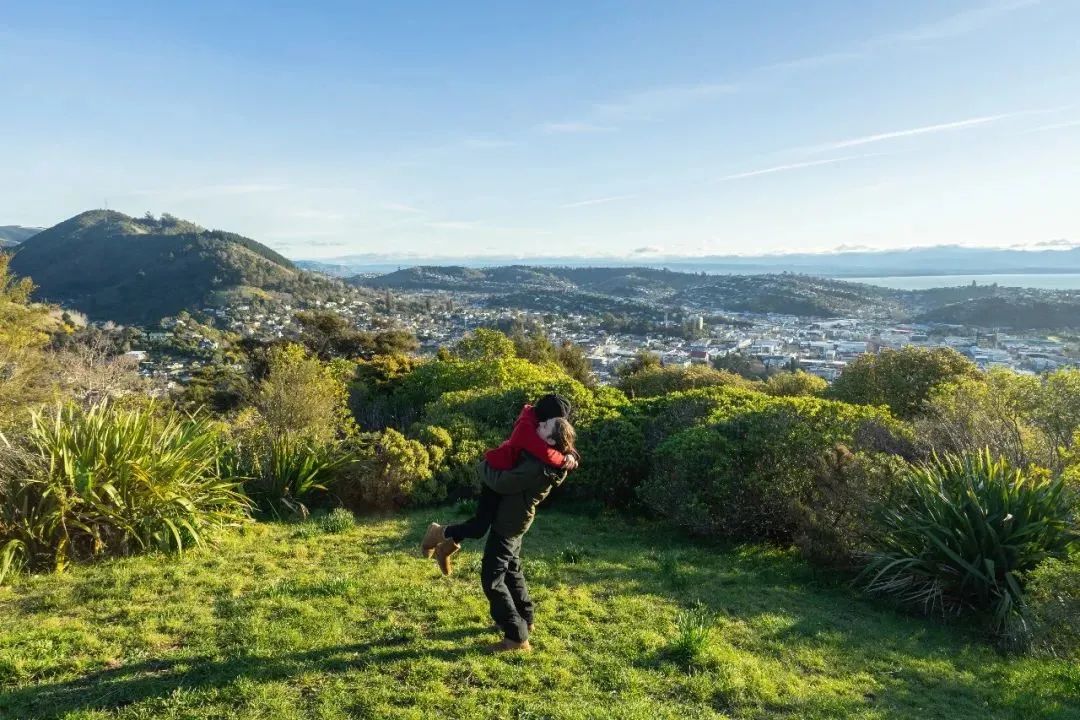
column 170, row 353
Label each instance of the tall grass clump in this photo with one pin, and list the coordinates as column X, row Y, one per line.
column 693, row 627
column 281, row 473
column 968, row 529
column 77, row 484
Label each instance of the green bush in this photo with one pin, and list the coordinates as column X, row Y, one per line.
column 1050, row 621
column 614, row 461
column 617, row 447
column 793, row 384
column 745, row 475
column 389, row 471
column 657, row 381
column 965, row 533
column 78, row 484
column 900, row 379
column 833, row 517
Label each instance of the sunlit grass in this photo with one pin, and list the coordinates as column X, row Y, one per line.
column 274, row 622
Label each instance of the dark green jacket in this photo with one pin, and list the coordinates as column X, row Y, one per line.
column 522, row 489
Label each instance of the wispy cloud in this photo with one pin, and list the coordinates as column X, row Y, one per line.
column 796, row 166
column 909, row 132
column 647, row 104
column 597, row 201
column 958, row 24
column 572, row 127
column 810, row 62
column 655, row 101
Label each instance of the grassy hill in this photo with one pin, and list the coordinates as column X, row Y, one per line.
column 116, row 267
column 12, row 235
column 283, row 621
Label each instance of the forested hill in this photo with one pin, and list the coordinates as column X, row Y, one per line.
column 115, row 267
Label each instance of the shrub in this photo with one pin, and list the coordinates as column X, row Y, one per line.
column 617, row 447
column 614, row 461
column 656, row 381
column 991, row 410
column 305, row 397
column 743, row 476
column 832, row 519
column 78, row 484
column 1050, row 621
column 968, row 529
column 900, row 379
column 792, row 384
column 390, row 471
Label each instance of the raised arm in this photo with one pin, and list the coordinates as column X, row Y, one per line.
column 528, row 474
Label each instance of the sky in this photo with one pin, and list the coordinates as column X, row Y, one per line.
column 562, row 128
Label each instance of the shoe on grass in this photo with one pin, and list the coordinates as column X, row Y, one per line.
column 508, row 645
column 443, row 552
column 432, row 537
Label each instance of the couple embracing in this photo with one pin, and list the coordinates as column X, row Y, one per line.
column 514, row 477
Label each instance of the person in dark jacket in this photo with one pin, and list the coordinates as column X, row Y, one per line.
column 522, row 489
column 533, row 432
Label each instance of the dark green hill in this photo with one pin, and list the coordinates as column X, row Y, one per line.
column 114, row 267
column 1031, row 311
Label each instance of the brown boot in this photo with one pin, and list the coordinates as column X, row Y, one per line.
column 443, row 552
column 508, row 645
column 432, row 537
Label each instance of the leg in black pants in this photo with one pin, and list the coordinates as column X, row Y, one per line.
column 476, row 526
column 504, row 586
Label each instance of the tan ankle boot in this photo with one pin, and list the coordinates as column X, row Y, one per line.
column 432, row 537
column 508, row 645
column 443, row 552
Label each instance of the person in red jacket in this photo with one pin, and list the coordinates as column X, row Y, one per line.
column 532, row 433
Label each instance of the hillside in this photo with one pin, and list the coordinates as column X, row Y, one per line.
column 1054, row 312
column 787, row 294
column 115, row 267
column 12, row 235
column 355, row 625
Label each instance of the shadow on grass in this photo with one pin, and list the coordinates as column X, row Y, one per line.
column 115, row 688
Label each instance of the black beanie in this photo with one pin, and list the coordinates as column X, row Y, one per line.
column 551, row 406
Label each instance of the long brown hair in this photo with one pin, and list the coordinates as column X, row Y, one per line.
column 564, row 437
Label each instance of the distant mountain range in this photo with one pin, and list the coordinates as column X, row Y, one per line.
column 937, row 260
column 137, row 270
column 12, row 235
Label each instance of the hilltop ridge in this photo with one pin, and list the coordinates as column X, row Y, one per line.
column 116, row 267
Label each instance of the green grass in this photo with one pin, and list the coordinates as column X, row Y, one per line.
column 280, row 621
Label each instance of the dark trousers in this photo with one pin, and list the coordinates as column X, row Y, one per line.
column 504, row 586
column 476, row 526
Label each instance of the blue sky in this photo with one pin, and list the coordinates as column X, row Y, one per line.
column 559, row 128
